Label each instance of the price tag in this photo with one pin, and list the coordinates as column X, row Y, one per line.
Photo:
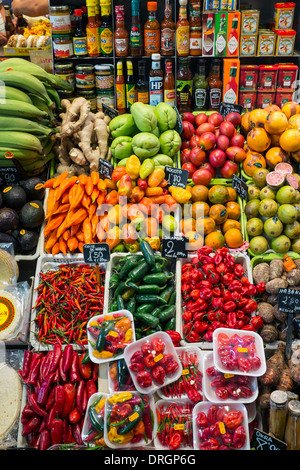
column 262, row 441
column 96, row 253
column 289, row 300
column 109, row 111
column 240, row 186
column 105, row 168
column 176, row 177
column 226, row 108
column 179, row 126
column 158, row 357
column 9, row 176
column 174, row 247
column 296, row 327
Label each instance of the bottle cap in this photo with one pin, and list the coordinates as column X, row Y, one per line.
column 155, row 56
column 78, row 12
column 152, row 6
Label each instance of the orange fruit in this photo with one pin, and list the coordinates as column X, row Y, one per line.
column 231, row 223
column 290, row 108
column 258, row 139
column 233, row 238
column 199, row 192
column 275, row 155
column 253, row 161
column 275, row 140
column 200, row 209
column 290, row 140
column 258, row 117
column 231, row 194
column 215, row 240
column 218, row 212
column 187, row 225
column 205, row 225
column 245, row 123
column 271, row 108
column 233, row 210
column 195, row 240
column 276, row 122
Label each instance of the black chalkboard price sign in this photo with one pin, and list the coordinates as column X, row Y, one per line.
column 9, row 176
column 176, row 176
column 289, row 300
column 226, row 108
column 263, row 441
column 109, row 111
column 96, row 253
column 240, row 186
column 174, row 247
column 105, row 168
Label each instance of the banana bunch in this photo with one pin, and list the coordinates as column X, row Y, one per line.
column 29, row 104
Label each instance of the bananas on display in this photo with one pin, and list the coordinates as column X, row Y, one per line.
column 29, row 104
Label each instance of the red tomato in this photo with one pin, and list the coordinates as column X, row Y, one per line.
column 194, row 142
column 200, row 119
column 188, row 130
column 197, row 156
column 202, row 176
column 190, row 168
column 228, row 169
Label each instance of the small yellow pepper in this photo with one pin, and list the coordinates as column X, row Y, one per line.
column 120, row 398
column 156, row 177
column 181, row 195
column 128, row 335
column 94, row 323
column 100, row 405
column 113, row 436
column 132, row 167
column 154, row 242
column 103, row 354
column 157, row 191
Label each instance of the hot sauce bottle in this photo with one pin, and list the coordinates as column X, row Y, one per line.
column 130, row 86
column 169, row 85
column 195, row 28
column 121, row 36
column 120, row 88
column 167, row 39
column 183, row 30
column 233, row 39
column 79, row 38
column 215, row 86
column 106, row 33
column 151, row 31
column 92, row 34
column 136, row 38
column 184, row 86
column 142, row 87
column 156, row 81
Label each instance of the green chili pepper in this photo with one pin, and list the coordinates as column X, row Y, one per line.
column 158, row 278
column 106, row 327
column 144, row 308
column 151, row 299
column 114, row 281
column 122, row 373
column 122, row 287
column 130, row 425
column 145, row 288
column 170, row 324
column 96, row 420
column 137, row 273
column 167, row 292
column 128, row 294
column 120, row 302
column 156, row 311
column 120, row 248
column 86, row 358
column 167, row 313
column 130, row 263
column 147, row 252
column 172, row 299
column 147, row 318
column 114, row 306
column 131, row 306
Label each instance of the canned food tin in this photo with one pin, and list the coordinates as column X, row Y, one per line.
column 60, row 20
column 265, row 98
column 104, row 77
column 266, row 43
column 247, row 99
column 283, row 96
column 85, row 77
column 285, row 42
column 287, row 74
column 105, row 97
column 267, row 77
column 284, row 15
column 250, row 22
column 248, row 45
column 248, row 77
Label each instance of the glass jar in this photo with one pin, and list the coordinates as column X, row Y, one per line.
column 60, row 20
column 85, row 77
column 65, row 70
column 91, row 96
column 278, row 413
column 62, row 46
column 105, row 97
column 104, row 77
column 292, row 429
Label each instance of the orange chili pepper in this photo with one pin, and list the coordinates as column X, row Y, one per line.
column 110, row 184
column 66, row 235
column 94, row 224
column 62, row 208
column 112, row 197
column 89, row 186
column 94, row 177
column 157, row 191
column 51, row 240
column 74, row 229
column 65, row 197
column 54, row 223
column 62, row 246
column 95, row 194
column 87, row 230
column 72, row 243
column 92, row 209
column 76, row 195
column 76, row 217
column 60, row 178
column 80, row 236
column 55, row 249
column 66, row 184
column 82, row 179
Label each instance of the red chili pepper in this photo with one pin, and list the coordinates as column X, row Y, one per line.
column 144, row 379
column 217, row 302
column 56, row 357
column 210, row 444
column 200, row 327
column 28, row 355
column 227, row 278
column 45, row 440
column 74, row 416
column 175, row 441
column 239, row 270
column 74, row 370
column 229, row 306
column 56, row 431
column 174, row 335
column 44, row 390
column 91, row 387
column 69, row 393
column 257, row 322
column 32, row 400
column 250, row 306
column 158, row 345
column 67, row 357
column 192, row 337
column 201, row 420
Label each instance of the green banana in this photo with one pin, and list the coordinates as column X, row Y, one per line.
column 21, row 140
column 10, row 93
column 25, row 82
column 7, row 153
column 38, row 163
column 42, row 105
column 54, row 96
column 18, row 64
column 10, row 123
column 20, row 109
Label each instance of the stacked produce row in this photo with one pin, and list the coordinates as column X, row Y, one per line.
column 142, row 349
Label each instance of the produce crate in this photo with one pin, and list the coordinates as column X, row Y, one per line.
column 46, row 263
column 23, row 51
column 266, row 258
column 241, row 258
column 176, row 160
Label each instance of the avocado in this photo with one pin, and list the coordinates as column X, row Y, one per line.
column 28, row 240
column 9, row 219
column 34, row 188
column 14, row 197
column 32, row 214
column 8, row 238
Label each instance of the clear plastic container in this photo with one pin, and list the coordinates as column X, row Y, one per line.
column 97, row 319
column 180, row 421
column 243, row 349
column 89, row 432
column 188, row 356
column 204, row 407
column 159, row 359
column 133, row 399
column 232, row 383
column 112, row 379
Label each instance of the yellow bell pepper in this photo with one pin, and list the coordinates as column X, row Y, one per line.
column 94, row 323
column 113, row 436
column 103, row 354
column 181, row 195
column 154, row 242
column 132, row 167
column 120, row 398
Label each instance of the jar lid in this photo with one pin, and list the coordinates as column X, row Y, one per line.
column 294, row 407
column 285, row 32
column 103, row 67
column 59, row 8
column 152, row 6
column 63, row 66
column 279, row 397
column 84, row 67
column 155, row 56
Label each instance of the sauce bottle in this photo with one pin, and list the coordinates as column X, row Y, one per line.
column 92, row 34
column 151, row 31
column 120, row 89
column 84, row 17
column 136, row 38
column 231, row 88
column 184, row 86
column 167, row 39
column 106, row 33
column 221, row 37
column 142, row 88
column 169, row 85
column 183, row 30
column 121, row 36
column 233, row 38
column 156, row 81
column 79, row 38
column 208, row 36
column 130, row 86
column 200, row 87
column 9, row 26
column 21, row 24
column 215, row 86
column 195, row 28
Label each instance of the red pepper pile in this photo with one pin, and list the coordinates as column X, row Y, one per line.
column 175, row 428
column 216, row 294
column 232, row 387
column 67, row 299
column 238, row 353
column 152, row 364
column 189, row 385
column 58, row 386
column 221, row 429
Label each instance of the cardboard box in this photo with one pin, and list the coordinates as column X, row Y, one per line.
column 231, row 80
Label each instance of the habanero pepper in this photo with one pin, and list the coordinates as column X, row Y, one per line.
column 229, row 306
column 257, row 322
column 85, row 369
column 227, row 278
column 250, row 306
column 260, row 287
column 239, row 270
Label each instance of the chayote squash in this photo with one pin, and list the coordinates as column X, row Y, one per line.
column 170, row 142
column 122, row 125
column 166, row 116
column 121, row 147
column 145, row 145
column 144, row 117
